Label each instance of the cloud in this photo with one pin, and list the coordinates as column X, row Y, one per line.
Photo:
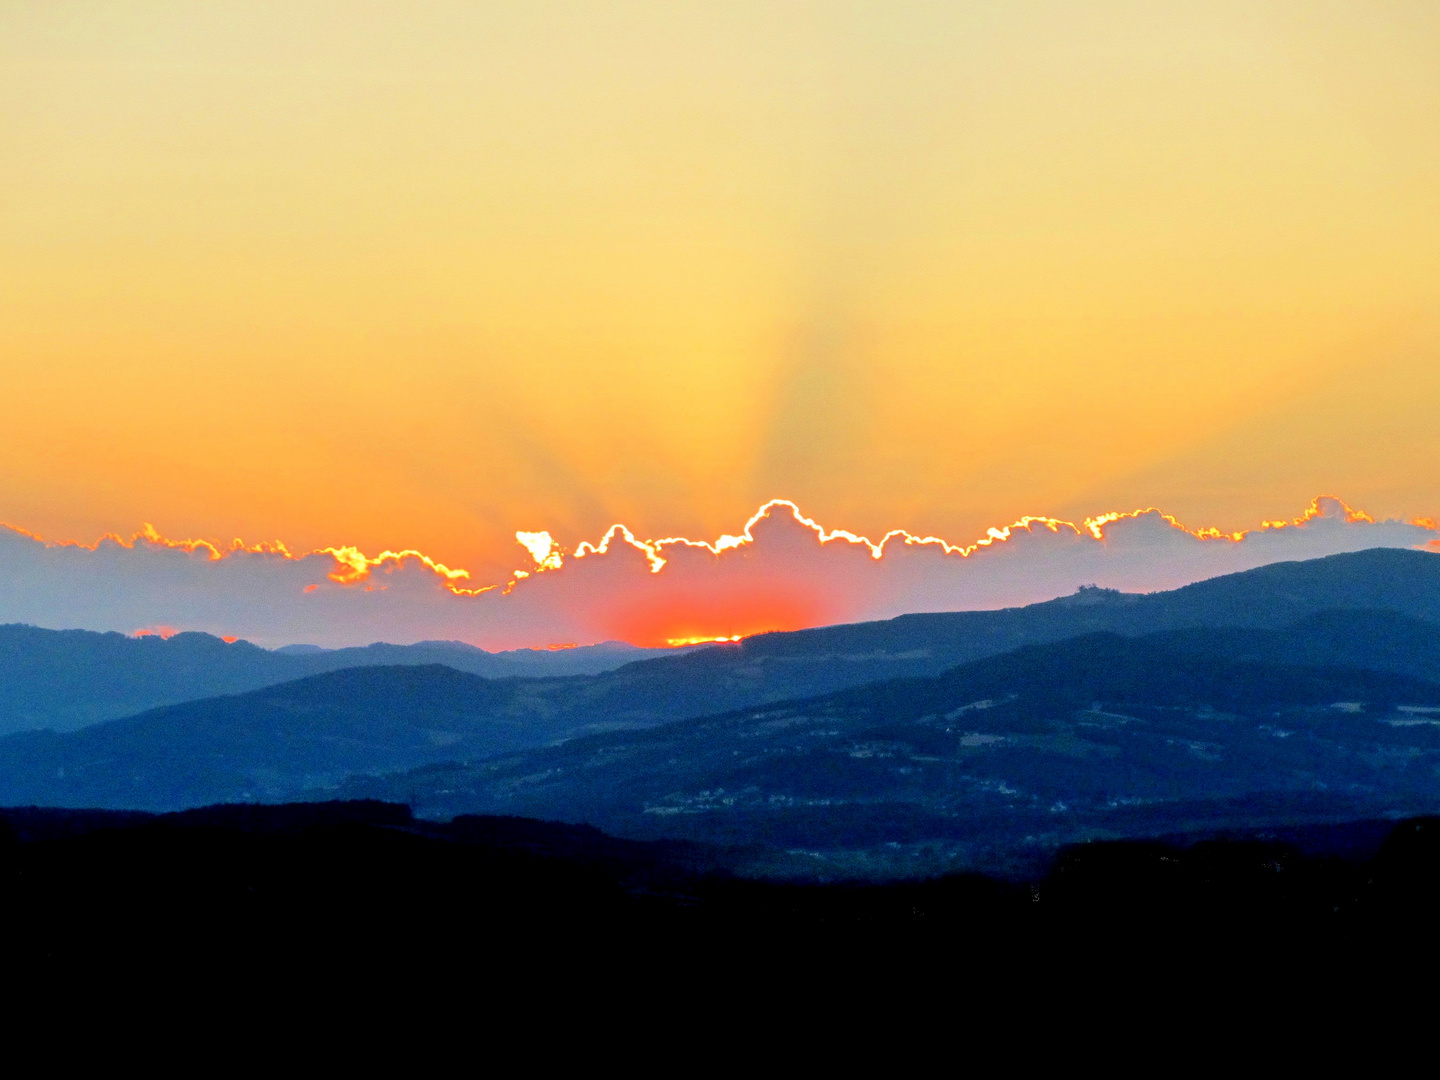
column 781, row 571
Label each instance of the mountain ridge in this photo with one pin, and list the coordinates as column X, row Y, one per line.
column 37, row 691
column 316, row 734
column 1098, row 736
column 67, row 679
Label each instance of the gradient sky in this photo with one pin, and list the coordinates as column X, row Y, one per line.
column 421, row 275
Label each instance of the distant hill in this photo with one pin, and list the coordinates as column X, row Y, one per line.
column 66, row 679
column 802, row 663
column 308, row 736
column 1096, row 736
column 806, row 662
column 1377, row 640
column 269, row 743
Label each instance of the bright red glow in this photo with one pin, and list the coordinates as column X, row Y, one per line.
column 162, row 631
column 353, row 566
column 697, row 616
column 750, row 591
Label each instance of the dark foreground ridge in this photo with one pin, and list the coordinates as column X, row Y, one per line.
column 232, row 891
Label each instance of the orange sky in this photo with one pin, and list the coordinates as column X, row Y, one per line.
column 421, row 275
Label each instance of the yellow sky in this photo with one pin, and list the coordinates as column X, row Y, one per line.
column 421, row 275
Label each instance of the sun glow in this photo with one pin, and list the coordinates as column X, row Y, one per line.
column 351, row 566
column 676, row 642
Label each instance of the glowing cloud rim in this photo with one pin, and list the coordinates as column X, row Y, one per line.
column 1095, row 526
column 354, row 567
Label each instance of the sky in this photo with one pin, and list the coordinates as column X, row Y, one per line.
column 418, row 277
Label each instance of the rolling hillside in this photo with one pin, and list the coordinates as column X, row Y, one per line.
column 1096, row 736
column 307, row 737
column 66, row 679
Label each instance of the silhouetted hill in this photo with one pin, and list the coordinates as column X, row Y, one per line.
column 66, row 679
column 1098, row 735
column 322, row 895
column 1388, row 579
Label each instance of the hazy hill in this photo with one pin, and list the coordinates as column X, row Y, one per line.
column 309, row 735
column 270, row 743
column 1378, row 640
column 772, row 667
column 66, row 679
column 1097, row 735
column 806, row 662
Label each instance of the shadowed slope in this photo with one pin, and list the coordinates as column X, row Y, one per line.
column 269, row 742
column 1097, row 735
column 66, row 679
column 772, row 667
column 275, row 743
column 310, row 734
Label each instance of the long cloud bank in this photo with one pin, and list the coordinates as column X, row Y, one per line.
column 782, row 571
